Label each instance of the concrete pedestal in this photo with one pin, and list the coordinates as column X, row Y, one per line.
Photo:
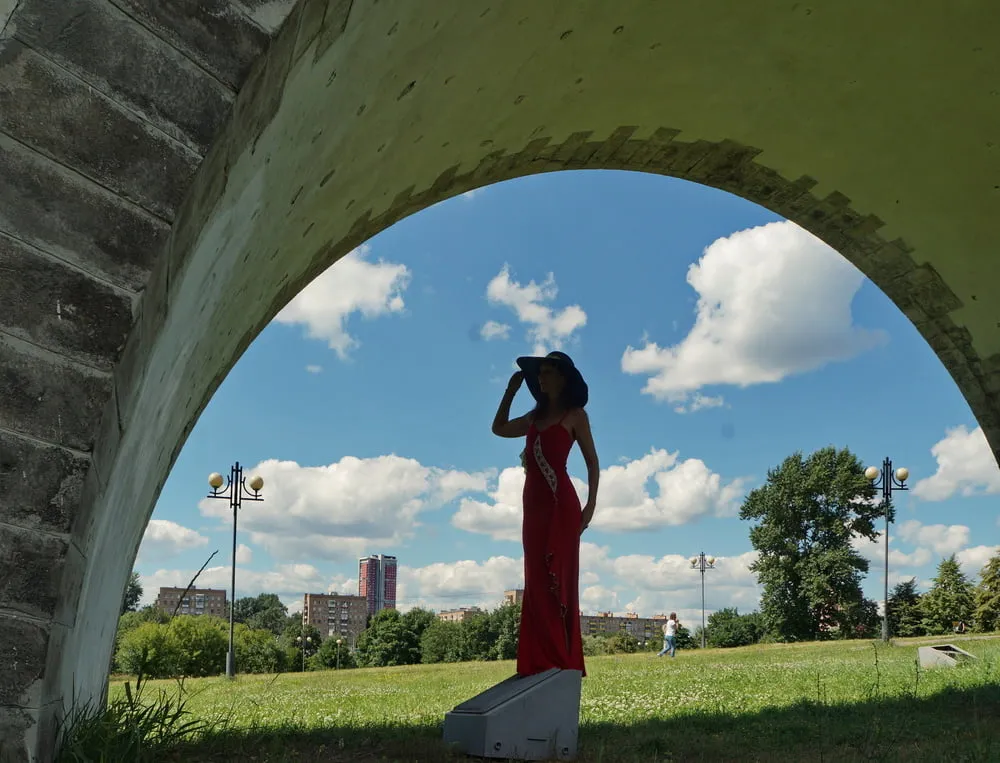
column 531, row 718
column 942, row 656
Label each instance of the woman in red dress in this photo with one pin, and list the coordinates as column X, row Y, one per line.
column 553, row 520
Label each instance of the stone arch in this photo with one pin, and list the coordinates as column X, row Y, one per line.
column 363, row 112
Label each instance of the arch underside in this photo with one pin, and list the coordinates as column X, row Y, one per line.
column 362, row 113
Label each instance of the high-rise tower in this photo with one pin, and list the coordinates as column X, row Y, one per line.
column 377, row 581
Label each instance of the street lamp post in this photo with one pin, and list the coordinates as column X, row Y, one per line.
column 339, row 642
column 303, row 647
column 237, row 490
column 702, row 563
column 887, row 480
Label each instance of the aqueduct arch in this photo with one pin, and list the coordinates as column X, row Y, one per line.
column 871, row 125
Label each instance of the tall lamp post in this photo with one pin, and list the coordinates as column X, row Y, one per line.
column 236, row 490
column 339, row 642
column 304, row 646
column 887, row 480
column 702, row 563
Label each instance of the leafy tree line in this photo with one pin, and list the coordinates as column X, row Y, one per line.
column 807, row 517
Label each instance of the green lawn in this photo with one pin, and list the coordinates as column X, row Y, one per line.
column 845, row 701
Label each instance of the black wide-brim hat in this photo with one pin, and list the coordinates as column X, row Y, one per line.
column 577, row 393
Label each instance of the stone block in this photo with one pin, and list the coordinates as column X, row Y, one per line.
column 269, row 14
column 108, row 438
column 310, row 26
column 46, row 397
column 262, row 92
column 23, row 645
column 334, row 24
column 62, row 212
column 90, row 133
column 215, row 33
column 90, row 500
column 40, row 485
column 71, row 577
column 51, row 304
column 14, row 725
column 130, row 64
column 651, row 147
column 131, row 365
column 930, row 291
column 33, row 563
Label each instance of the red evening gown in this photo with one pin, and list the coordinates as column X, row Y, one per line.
column 550, row 531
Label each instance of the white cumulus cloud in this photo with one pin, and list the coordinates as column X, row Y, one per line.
column 494, row 330
column 974, row 559
column 943, row 539
column 547, row 328
column 244, row 554
column 627, row 501
column 164, row 538
column 341, row 510
column 464, row 583
column 773, row 301
column 965, row 466
column 351, row 285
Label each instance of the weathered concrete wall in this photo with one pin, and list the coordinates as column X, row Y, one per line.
column 869, row 124
column 106, row 110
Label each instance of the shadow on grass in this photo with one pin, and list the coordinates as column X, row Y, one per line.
column 953, row 724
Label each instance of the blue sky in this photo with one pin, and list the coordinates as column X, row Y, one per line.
column 716, row 340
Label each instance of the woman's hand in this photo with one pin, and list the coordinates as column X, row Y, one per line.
column 503, row 426
column 586, row 516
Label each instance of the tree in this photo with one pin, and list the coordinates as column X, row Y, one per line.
column 133, row 593
column 728, row 628
column 311, row 641
column 417, row 620
column 149, row 650
column 505, row 627
column 987, row 599
column 128, row 622
column 904, row 609
column 202, row 642
column 257, row 651
column 326, row 656
column 387, row 641
column 684, row 639
column 622, row 643
column 442, row 641
column 477, row 641
column 950, row 599
column 272, row 619
column 263, row 611
column 807, row 514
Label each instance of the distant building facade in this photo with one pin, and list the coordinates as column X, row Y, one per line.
column 377, row 582
column 513, row 596
column 197, row 601
column 336, row 615
column 608, row 624
column 459, row 615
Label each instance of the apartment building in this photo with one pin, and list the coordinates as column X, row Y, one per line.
column 336, row 615
column 197, row 601
column 459, row 615
column 513, row 596
column 607, row 623
column 377, row 581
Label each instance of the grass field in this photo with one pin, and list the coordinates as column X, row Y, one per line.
column 844, row 701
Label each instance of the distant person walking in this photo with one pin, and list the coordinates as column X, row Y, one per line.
column 669, row 636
